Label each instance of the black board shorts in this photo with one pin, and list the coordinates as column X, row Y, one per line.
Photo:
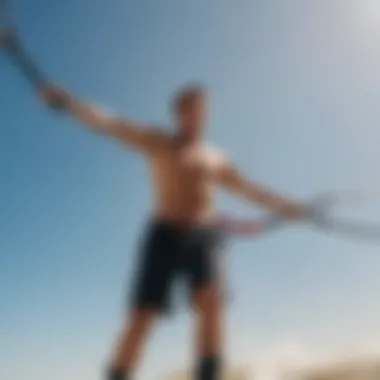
column 171, row 251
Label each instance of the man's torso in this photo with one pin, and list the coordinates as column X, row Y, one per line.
column 183, row 179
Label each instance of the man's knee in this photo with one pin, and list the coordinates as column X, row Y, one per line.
column 140, row 321
column 208, row 301
column 135, row 330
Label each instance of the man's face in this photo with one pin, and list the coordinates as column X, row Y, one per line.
column 191, row 117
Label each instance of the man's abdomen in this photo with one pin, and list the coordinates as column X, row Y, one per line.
column 185, row 210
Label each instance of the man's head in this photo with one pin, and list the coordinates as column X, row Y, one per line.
column 190, row 111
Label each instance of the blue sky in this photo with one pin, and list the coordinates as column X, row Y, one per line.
column 295, row 93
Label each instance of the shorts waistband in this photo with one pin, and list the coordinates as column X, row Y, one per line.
column 180, row 228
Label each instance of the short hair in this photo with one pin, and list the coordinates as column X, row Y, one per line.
column 186, row 95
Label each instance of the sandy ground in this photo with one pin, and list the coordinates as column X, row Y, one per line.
column 365, row 366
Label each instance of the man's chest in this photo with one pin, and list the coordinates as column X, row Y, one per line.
column 192, row 164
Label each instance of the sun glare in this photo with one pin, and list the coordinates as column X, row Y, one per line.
column 368, row 14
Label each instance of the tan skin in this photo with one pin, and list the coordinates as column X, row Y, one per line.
column 184, row 175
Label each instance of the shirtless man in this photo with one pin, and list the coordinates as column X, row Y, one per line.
column 182, row 238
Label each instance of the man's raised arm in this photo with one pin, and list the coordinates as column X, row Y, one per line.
column 143, row 139
column 234, row 181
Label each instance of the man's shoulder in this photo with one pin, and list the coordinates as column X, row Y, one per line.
column 214, row 149
column 215, row 153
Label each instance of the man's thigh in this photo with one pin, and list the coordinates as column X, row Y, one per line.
column 155, row 273
column 205, row 269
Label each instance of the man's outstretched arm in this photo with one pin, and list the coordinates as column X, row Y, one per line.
column 139, row 137
column 234, row 181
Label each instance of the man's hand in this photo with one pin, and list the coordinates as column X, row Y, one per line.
column 293, row 211
column 55, row 97
column 231, row 179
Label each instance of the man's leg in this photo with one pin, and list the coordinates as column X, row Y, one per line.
column 206, row 270
column 150, row 297
column 130, row 344
column 209, row 325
